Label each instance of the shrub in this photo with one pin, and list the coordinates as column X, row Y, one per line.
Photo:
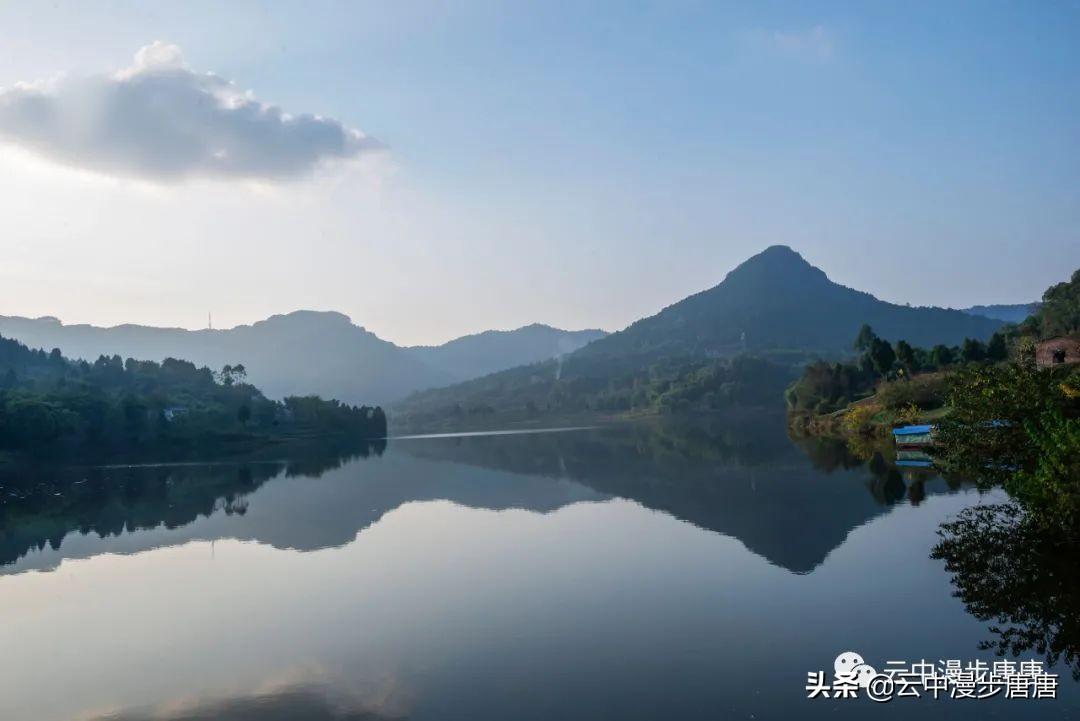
column 925, row 391
column 858, row 419
column 909, row 414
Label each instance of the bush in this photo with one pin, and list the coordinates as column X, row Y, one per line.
column 1014, row 425
column 1050, row 491
column 858, row 419
column 926, row 391
column 909, row 414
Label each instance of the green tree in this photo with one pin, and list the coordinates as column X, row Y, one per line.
column 865, row 338
column 997, row 349
column 135, row 415
column 882, row 356
column 972, row 351
column 378, row 427
column 1050, row 489
column 1060, row 310
column 906, row 355
column 1017, row 425
column 941, row 356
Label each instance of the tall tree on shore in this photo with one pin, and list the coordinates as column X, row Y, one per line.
column 906, row 355
column 865, row 338
column 881, row 356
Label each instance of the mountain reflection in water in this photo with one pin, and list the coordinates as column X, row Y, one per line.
column 744, row 479
column 636, row 571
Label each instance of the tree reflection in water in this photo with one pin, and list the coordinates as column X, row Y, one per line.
column 1026, row 586
column 889, row 481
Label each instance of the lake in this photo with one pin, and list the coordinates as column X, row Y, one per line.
column 637, row 571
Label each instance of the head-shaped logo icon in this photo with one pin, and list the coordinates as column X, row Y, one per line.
column 846, row 662
column 849, row 666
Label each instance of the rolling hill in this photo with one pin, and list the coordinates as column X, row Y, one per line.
column 307, row 352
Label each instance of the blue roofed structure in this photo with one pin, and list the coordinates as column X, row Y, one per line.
column 912, row 430
column 910, row 436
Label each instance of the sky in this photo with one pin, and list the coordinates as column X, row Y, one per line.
column 440, row 168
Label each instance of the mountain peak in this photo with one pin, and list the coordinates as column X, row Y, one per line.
column 777, row 264
column 774, row 300
column 776, row 255
column 778, row 251
column 308, row 318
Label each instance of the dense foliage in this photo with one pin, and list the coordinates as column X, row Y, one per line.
column 705, row 385
column 898, row 375
column 825, row 387
column 48, row 402
column 668, row 386
column 1019, row 426
column 1059, row 313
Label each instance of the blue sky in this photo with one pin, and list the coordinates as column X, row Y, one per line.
column 580, row 164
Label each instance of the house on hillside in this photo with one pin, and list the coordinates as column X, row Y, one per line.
column 1057, row 351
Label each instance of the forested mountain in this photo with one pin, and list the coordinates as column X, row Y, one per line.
column 495, row 350
column 773, row 302
column 1016, row 313
column 307, row 352
column 738, row 342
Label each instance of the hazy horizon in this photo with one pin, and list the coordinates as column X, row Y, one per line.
column 359, row 321
column 435, row 171
column 354, row 321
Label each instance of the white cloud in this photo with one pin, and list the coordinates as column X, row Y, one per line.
column 162, row 121
column 817, row 42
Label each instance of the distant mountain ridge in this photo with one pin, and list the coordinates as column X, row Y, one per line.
column 307, row 352
column 495, row 350
column 1016, row 313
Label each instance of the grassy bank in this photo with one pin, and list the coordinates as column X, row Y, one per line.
column 867, row 417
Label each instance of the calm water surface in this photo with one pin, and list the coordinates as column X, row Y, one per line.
column 626, row 572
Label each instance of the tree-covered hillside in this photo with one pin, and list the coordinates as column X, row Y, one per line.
column 740, row 342
column 1014, row 313
column 555, row 389
column 776, row 301
column 51, row 404
column 1059, row 312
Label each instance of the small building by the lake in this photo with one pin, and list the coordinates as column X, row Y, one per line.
column 1057, row 351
